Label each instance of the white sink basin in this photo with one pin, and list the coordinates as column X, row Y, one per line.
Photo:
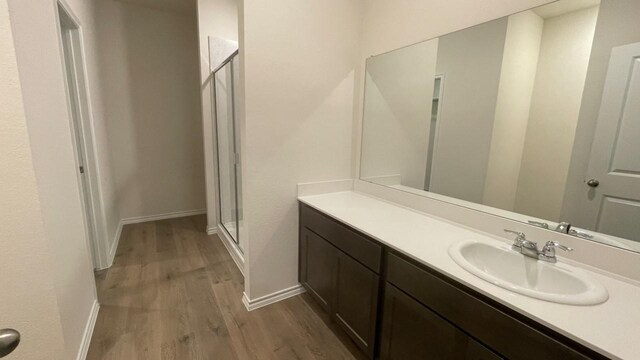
column 500, row 265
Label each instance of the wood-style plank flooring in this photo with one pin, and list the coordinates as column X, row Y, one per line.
column 174, row 292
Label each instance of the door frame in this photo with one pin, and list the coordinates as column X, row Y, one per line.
column 428, row 168
column 82, row 130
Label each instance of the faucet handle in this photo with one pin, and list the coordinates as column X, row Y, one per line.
column 580, row 234
column 543, row 225
column 549, row 249
column 520, row 238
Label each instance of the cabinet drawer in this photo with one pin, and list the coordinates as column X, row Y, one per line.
column 486, row 320
column 350, row 242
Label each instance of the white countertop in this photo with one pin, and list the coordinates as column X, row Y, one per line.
column 611, row 328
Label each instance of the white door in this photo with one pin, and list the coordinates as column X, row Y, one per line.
column 27, row 297
column 613, row 177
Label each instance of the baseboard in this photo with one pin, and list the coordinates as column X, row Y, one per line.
column 88, row 331
column 212, row 230
column 156, row 217
column 271, row 298
column 232, row 248
column 114, row 245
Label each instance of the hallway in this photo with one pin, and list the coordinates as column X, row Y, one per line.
column 174, row 292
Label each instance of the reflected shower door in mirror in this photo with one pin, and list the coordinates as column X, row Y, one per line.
column 534, row 117
column 228, row 147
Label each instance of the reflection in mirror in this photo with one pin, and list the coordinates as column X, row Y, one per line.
column 534, row 116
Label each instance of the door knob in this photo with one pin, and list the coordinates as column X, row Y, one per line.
column 593, row 183
column 9, row 340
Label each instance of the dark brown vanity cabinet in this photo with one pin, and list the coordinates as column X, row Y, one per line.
column 356, row 301
column 318, row 272
column 346, row 287
column 412, row 331
column 395, row 308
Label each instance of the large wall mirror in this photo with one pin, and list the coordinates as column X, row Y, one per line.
column 534, row 117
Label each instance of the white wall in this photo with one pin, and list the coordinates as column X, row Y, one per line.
column 399, row 89
column 517, row 78
column 471, row 61
column 303, row 81
column 617, row 25
column 149, row 64
column 389, row 25
column 38, row 54
column 298, row 71
column 28, row 301
column 555, row 104
column 216, row 18
column 299, row 64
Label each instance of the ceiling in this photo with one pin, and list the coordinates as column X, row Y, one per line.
column 187, row 7
column 563, row 6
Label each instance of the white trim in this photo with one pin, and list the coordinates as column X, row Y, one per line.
column 93, row 211
column 232, row 248
column 271, row 298
column 88, row 331
column 171, row 215
column 114, row 246
column 212, row 230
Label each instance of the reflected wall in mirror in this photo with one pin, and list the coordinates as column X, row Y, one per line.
column 534, row 116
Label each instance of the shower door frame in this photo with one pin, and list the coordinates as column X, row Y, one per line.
column 214, row 108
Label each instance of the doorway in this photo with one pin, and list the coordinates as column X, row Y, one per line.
column 78, row 102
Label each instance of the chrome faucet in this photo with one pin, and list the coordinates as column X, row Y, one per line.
column 530, row 248
column 563, row 227
column 522, row 245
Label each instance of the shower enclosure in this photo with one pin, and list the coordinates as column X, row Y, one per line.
column 227, row 146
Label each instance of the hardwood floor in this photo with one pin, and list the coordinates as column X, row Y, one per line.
column 174, row 292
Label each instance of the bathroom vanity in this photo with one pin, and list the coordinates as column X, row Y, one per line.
column 383, row 274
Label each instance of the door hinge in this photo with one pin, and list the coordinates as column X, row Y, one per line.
column 81, row 169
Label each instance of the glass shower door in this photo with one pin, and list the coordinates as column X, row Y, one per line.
column 228, row 147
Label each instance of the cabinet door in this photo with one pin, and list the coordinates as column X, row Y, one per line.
column 317, row 267
column 356, row 302
column 412, row 331
column 477, row 351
